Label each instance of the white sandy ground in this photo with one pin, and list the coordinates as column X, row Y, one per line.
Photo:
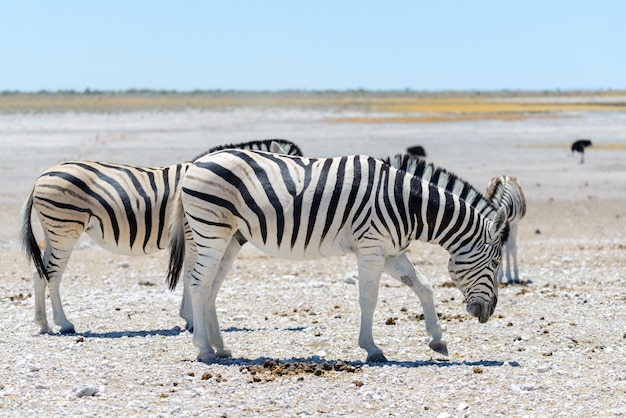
column 555, row 347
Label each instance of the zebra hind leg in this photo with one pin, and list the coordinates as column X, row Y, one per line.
column 55, row 273
column 55, row 295
column 41, row 317
column 215, row 336
column 402, row 269
column 186, row 309
column 206, row 327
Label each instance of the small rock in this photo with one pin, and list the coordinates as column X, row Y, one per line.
column 544, row 368
column 124, row 264
column 85, row 390
column 462, row 406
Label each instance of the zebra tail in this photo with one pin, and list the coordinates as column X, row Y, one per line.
column 177, row 242
column 27, row 237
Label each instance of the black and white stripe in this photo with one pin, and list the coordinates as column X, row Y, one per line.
column 125, row 209
column 505, row 191
column 303, row 208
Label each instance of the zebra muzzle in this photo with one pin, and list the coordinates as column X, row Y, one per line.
column 479, row 310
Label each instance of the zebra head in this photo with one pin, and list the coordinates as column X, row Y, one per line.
column 474, row 267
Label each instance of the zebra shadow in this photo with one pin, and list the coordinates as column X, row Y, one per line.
column 129, row 334
column 318, row 361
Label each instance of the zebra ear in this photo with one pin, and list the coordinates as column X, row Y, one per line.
column 497, row 225
column 276, row 148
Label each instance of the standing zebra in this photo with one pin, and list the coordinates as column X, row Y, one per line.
column 505, row 191
column 304, row 208
column 124, row 209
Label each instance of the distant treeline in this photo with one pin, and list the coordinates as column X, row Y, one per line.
column 146, row 91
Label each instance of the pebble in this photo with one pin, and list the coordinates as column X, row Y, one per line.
column 85, row 390
column 544, row 368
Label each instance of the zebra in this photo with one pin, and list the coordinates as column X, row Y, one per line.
column 505, row 191
column 124, row 209
column 305, row 208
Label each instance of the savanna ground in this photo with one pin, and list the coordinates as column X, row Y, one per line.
column 554, row 347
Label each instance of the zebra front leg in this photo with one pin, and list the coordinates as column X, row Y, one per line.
column 370, row 269
column 401, row 268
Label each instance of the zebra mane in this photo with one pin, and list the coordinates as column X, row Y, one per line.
column 260, row 145
column 440, row 177
column 495, row 190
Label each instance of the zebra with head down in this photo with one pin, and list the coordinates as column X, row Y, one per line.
column 124, row 209
column 304, row 208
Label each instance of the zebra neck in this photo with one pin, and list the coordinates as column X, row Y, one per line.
column 439, row 216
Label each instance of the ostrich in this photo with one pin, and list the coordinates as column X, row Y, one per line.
column 417, row 151
column 579, row 146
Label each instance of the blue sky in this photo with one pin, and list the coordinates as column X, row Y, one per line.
column 315, row 45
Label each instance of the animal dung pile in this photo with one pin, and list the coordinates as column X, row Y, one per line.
column 271, row 369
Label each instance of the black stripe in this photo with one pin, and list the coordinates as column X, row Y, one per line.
column 371, row 171
column 448, row 213
column 218, row 202
column 415, row 206
column 123, row 195
column 235, row 181
column 317, row 199
column 266, row 183
column 334, row 200
column 356, row 184
column 432, row 210
column 398, row 191
column 89, row 192
column 381, row 188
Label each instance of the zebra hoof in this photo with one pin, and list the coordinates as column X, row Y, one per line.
column 68, row 329
column 206, row 358
column 440, row 347
column 376, row 358
column 44, row 329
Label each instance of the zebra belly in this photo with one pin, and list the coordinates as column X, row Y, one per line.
column 340, row 244
column 122, row 246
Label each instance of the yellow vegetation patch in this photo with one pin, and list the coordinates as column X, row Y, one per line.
column 375, row 107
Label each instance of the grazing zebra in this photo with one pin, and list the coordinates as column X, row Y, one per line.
column 304, row 208
column 505, row 191
column 124, row 209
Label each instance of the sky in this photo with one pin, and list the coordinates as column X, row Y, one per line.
column 312, row 45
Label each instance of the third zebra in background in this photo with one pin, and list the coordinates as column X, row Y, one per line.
column 505, row 191
column 124, row 209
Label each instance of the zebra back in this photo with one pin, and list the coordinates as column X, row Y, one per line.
column 444, row 179
column 288, row 147
column 506, row 191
